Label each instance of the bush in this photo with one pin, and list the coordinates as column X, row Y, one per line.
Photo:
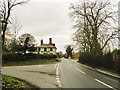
column 25, row 57
column 17, row 57
column 108, row 60
column 91, row 59
column 48, row 56
column 97, row 60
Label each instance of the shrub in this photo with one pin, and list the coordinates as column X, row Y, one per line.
column 97, row 60
column 90, row 59
column 17, row 57
column 25, row 57
column 108, row 60
column 48, row 56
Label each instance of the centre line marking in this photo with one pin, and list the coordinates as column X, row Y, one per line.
column 105, row 84
column 78, row 69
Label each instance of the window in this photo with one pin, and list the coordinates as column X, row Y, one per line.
column 50, row 49
column 45, row 49
column 38, row 49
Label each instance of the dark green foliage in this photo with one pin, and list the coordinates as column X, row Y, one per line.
column 17, row 57
column 27, row 41
column 25, row 57
column 32, row 49
column 69, row 51
column 48, row 56
column 90, row 59
column 97, row 60
column 108, row 60
column 16, row 48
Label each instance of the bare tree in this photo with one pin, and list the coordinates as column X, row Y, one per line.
column 6, row 7
column 15, row 28
column 91, row 18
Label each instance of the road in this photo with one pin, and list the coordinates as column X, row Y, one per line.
column 41, row 76
column 74, row 75
column 65, row 74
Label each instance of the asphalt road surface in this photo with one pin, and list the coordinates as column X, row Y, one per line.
column 41, row 76
column 65, row 74
column 74, row 75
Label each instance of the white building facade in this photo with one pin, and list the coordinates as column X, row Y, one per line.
column 47, row 48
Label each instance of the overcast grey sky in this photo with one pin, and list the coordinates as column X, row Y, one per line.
column 47, row 18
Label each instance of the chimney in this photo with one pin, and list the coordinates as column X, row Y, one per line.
column 41, row 41
column 50, row 41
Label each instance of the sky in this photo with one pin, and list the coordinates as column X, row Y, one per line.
column 46, row 19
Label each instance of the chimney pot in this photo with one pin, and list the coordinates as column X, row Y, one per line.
column 50, row 41
column 41, row 41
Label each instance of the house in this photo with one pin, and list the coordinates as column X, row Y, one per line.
column 47, row 48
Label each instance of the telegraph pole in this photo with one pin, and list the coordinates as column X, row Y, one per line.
column 0, row 56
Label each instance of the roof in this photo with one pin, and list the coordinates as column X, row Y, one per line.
column 47, row 46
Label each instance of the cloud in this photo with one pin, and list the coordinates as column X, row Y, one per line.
column 46, row 19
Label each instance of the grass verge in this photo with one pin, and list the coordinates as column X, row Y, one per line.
column 10, row 82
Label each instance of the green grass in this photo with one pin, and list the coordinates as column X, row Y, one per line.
column 29, row 62
column 10, row 82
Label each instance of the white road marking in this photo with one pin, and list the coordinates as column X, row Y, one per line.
column 57, row 76
column 78, row 69
column 55, row 66
column 58, row 81
column 57, row 69
column 105, row 84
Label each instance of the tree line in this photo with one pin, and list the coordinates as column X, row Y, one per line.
column 94, row 22
column 6, row 7
column 96, row 32
column 24, row 43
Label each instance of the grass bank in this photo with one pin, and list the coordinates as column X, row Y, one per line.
column 11, row 82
